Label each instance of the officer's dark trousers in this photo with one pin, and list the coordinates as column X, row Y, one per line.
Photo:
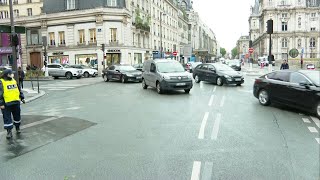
column 9, row 111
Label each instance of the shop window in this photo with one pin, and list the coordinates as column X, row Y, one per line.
column 52, row 39
column 62, row 38
column 82, row 39
column 93, row 36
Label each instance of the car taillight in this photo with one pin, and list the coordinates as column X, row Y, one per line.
column 258, row 81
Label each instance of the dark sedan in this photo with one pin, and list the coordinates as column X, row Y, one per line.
column 298, row 89
column 138, row 67
column 123, row 73
column 234, row 64
column 217, row 73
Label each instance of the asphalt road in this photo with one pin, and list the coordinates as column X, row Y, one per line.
column 120, row 131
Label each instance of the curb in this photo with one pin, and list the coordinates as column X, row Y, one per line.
column 42, row 93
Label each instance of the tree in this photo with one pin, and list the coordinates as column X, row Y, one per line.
column 234, row 52
column 223, row 52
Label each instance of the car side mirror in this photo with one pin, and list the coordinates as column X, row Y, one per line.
column 305, row 84
column 213, row 70
column 117, row 70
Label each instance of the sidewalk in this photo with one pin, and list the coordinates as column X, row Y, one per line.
column 31, row 95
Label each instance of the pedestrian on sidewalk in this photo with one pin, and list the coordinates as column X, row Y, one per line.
column 21, row 77
column 284, row 65
column 10, row 97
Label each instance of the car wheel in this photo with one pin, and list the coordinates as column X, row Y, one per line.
column 219, row 81
column 123, row 79
column 55, row 77
column 239, row 84
column 159, row 90
column 318, row 110
column 68, row 75
column 86, row 74
column 187, row 91
column 105, row 78
column 264, row 98
column 79, row 77
column 197, row 79
column 144, row 85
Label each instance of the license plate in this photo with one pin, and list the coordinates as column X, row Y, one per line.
column 138, row 77
column 238, row 79
column 181, row 84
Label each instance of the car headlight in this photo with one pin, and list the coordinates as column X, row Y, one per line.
column 129, row 75
column 228, row 77
column 166, row 77
column 189, row 76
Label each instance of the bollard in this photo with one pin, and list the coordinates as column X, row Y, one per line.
column 38, row 83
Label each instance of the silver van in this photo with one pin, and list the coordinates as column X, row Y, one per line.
column 165, row 75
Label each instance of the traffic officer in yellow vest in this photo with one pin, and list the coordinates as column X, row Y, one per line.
column 10, row 97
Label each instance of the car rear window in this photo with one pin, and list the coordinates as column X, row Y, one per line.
column 279, row 76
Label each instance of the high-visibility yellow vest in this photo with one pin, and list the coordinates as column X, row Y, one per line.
column 10, row 91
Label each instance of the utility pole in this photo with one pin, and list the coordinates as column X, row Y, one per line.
column 161, row 35
column 44, row 43
column 13, row 43
column 270, row 32
column 104, row 61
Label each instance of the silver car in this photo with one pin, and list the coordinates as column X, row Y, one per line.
column 166, row 75
column 58, row 70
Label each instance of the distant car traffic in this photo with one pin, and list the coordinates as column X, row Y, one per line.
column 217, row 73
column 64, row 70
column 264, row 61
column 191, row 65
column 86, row 70
column 123, row 73
column 310, row 66
column 234, row 64
column 298, row 89
column 165, row 75
column 138, row 67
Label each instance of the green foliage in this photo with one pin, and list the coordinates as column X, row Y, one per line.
column 234, row 52
column 223, row 52
column 34, row 74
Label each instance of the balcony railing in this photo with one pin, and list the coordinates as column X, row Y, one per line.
column 114, row 43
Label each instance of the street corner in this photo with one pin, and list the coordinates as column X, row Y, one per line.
column 38, row 131
column 31, row 95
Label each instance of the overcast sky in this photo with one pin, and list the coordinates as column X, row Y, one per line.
column 227, row 18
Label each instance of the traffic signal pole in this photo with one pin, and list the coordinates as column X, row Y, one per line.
column 14, row 47
column 270, row 54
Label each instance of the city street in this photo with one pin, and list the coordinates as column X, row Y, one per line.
column 121, row 131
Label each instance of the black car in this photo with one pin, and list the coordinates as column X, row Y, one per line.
column 217, row 73
column 234, row 64
column 138, row 67
column 123, row 73
column 298, row 89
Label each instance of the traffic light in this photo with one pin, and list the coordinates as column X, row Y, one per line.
column 250, row 44
column 14, row 39
column 102, row 47
column 270, row 26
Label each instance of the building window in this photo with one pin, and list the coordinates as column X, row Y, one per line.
column 313, row 3
column 29, row 11
column 284, row 15
column 299, row 22
column 313, row 42
column 283, row 2
column 299, row 43
column 15, row 1
column 16, row 13
column 71, row 4
column 313, row 29
column 33, row 37
column 284, row 26
column 113, row 33
column 29, row 1
column 62, row 38
column 312, row 55
column 299, row 2
column 52, row 39
column 93, row 36
column 3, row 2
column 112, row 3
column 313, row 15
column 284, row 43
column 82, row 39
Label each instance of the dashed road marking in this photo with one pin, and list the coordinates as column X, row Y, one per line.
column 313, row 129
column 211, row 100
column 316, row 121
column 222, row 101
column 203, row 126
column 214, row 89
column 306, row 120
column 216, row 127
column 318, row 140
column 196, row 170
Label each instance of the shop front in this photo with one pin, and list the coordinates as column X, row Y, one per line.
column 59, row 57
column 87, row 59
column 5, row 56
column 113, row 56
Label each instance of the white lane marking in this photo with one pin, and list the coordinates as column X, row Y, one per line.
column 37, row 123
column 196, row 170
column 203, row 125
column 73, row 108
column 211, row 100
column 214, row 89
column 316, row 121
column 201, row 85
column 246, row 91
column 57, row 87
column 318, row 140
column 216, row 127
column 207, row 171
column 222, row 101
column 313, row 129
column 306, row 120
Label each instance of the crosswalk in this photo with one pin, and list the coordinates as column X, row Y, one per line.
column 67, row 85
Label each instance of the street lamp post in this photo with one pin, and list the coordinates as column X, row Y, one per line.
column 161, row 47
column 14, row 47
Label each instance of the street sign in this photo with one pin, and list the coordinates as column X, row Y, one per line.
column 294, row 53
column 7, row 29
column 175, row 53
column 251, row 50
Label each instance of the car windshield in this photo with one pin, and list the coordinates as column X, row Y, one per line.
column 234, row 62
column 222, row 67
column 66, row 66
column 314, row 76
column 126, row 68
column 170, row 67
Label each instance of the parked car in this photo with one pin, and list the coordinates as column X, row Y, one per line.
column 234, row 64
column 165, row 75
column 123, row 73
column 59, row 70
column 138, row 67
column 191, row 65
column 265, row 61
column 310, row 66
column 86, row 70
column 217, row 73
column 299, row 89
